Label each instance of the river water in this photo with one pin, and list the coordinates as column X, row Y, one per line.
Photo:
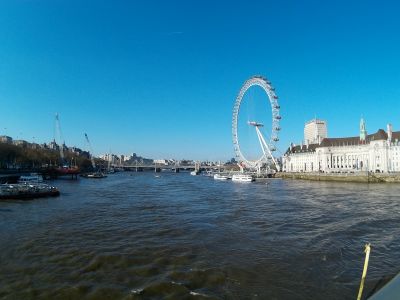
column 138, row 236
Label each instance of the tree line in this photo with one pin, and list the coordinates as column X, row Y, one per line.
column 20, row 157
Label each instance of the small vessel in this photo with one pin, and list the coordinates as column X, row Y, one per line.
column 110, row 170
column 219, row 176
column 23, row 191
column 32, row 178
column 97, row 174
column 243, row 178
column 67, row 170
column 196, row 170
column 208, row 173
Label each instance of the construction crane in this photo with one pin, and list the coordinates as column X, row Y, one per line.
column 59, row 136
column 91, row 152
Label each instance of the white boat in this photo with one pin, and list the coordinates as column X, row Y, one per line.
column 221, row 177
column 243, row 178
column 208, row 173
column 96, row 175
column 32, row 178
column 194, row 173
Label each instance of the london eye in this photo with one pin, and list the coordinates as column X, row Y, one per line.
column 268, row 145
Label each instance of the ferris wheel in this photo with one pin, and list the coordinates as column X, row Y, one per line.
column 269, row 146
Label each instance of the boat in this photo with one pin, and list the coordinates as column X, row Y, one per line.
column 243, row 178
column 23, row 191
column 95, row 175
column 66, row 170
column 208, row 173
column 32, row 178
column 219, row 176
column 390, row 290
column 196, row 170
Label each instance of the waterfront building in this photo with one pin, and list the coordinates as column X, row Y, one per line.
column 21, row 143
column 315, row 131
column 6, row 139
column 378, row 152
column 33, row 146
column 161, row 161
column 53, row 145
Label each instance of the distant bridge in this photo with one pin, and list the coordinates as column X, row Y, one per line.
column 159, row 167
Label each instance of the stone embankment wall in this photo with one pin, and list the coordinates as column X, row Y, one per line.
column 368, row 178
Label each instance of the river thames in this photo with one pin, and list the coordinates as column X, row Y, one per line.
column 137, row 236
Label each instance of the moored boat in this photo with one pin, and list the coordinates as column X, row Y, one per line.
column 95, row 175
column 23, row 191
column 219, row 176
column 32, row 178
column 243, row 178
column 66, row 170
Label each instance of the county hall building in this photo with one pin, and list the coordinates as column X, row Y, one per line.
column 378, row 152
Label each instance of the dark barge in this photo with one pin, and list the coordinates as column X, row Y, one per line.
column 27, row 191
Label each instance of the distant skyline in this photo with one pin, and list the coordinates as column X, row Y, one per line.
column 160, row 79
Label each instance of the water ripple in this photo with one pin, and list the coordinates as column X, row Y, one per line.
column 135, row 236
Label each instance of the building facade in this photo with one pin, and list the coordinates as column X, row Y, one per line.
column 6, row 139
column 378, row 152
column 315, row 131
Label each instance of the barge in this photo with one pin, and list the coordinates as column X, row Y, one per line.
column 24, row 191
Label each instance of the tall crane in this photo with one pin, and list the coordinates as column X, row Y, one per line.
column 65, row 168
column 59, row 136
column 91, row 152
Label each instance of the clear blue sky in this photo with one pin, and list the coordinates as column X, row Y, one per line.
column 159, row 78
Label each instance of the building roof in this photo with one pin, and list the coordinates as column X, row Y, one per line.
column 396, row 136
column 302, row 148
column 380, row 135
column 318, row 121
column 345, row 141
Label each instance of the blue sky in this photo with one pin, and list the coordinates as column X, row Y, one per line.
column 160, row 78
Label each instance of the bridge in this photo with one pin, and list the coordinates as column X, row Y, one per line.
column 158, row 167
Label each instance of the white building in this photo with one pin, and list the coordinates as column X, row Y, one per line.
column 160, row 162
column 6, row 139
column 315, row 131
column 378, row 152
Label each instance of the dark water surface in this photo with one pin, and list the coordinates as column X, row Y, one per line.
column 135, row 236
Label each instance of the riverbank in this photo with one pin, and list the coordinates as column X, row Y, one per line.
column 350, row 177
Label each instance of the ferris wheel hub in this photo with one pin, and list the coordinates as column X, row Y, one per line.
column 255, row 124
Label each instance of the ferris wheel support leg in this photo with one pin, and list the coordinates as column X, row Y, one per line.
column 261, row 143
column 266, row 147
